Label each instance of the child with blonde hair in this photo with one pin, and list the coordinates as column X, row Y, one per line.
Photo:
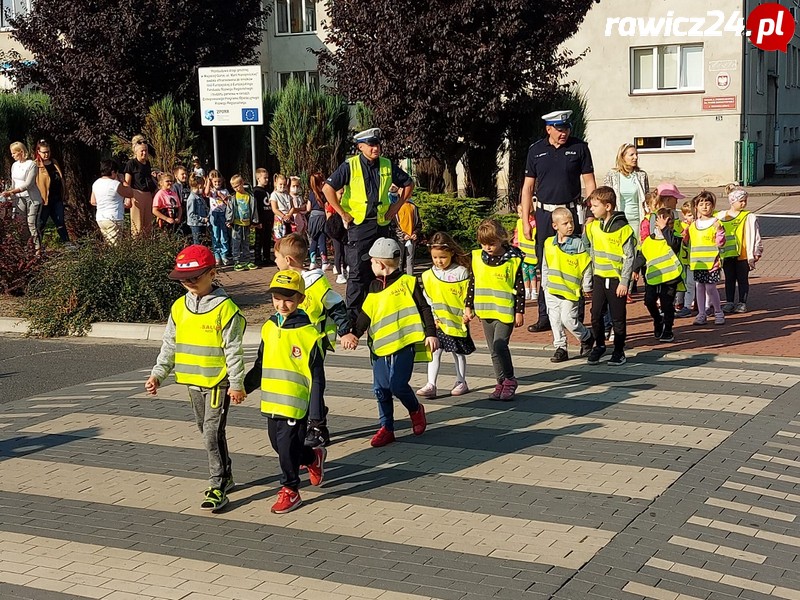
column 299, row 206
column 218, row 206
column 742, row 250
column 685, row 299
column 445, row 285
column 241, row 214
column 496, row 295
column 167, row 205
column 282, row 207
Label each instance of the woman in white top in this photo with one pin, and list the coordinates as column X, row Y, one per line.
column 27, row 197
column 112, row 197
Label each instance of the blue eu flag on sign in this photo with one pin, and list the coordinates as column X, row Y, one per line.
column 250, row 115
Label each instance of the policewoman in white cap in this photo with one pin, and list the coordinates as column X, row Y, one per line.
column 557, row 166
column 365, row 207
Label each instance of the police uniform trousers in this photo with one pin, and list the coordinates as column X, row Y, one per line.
column 544, row 230
column 359, row 240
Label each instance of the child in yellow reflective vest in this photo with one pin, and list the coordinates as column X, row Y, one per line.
column 566, row 272
column 327, row 312
column 528, row 247
column 684, row 300
column 659, row 253
column 496, row 295
column 742, row 250
column 445, row 285
column 705, row 237
column 612, row 244
column 286, row 379
column 401, row 329
column 203, row 346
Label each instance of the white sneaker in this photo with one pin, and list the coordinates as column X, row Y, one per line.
column 740, row 308
column 460, row 389
column 535, row 295
column 527, row 294
column 335, row 271
column 427, row 391
column 326, row 266
column 341, row 279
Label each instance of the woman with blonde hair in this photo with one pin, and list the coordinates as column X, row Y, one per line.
column 139, row 176
column 27, row 197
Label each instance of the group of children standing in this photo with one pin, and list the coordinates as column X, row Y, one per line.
column 409, row 321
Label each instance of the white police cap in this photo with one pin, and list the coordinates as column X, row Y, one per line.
column 557, row 117
column 368, row 136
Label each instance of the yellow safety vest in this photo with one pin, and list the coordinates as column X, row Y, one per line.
column 684, row 255
column 564, row 271
column 662, row 264
column 528, row 246
column 608, row 253
column 313, row 305
column 448, row 303
column 286, row 372
column 703, row 250
column 734, row 234
column 199, row 347
column 354, row 200
column 494, row 288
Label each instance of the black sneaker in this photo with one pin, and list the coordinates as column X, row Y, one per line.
column 667, row 336
column 539, row 326
column 586, row 346
column 658, row 330
column 314, row 438
column 595, row 354
column 214, row 500
column 560, row 356
column 617, row 358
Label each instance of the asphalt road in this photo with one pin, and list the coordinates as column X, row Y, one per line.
column 32, row 366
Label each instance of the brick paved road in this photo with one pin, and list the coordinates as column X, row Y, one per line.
column 671, row 478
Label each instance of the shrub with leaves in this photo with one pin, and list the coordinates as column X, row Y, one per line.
column 123, row 283
column 18, row 259
column 459, row 217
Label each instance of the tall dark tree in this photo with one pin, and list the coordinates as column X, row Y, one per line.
column 104, row 62
column 439, row 74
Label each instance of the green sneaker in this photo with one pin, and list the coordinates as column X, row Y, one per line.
column 239, row 267
column 228, row 484
column 251, row 266
column 215, row 499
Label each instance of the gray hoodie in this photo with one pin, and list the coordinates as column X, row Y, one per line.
column 232, row 335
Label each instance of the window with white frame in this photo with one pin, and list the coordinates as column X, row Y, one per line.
column 669, row 68
column 665, row 143
column 10, row 9
column 309, row 78
column 295, row 16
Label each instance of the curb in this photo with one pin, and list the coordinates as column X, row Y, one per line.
column 155, row 331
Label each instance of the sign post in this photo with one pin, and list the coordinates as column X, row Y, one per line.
column 231, row 96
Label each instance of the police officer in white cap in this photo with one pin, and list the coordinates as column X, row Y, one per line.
column 557, row 166
column 365, row 207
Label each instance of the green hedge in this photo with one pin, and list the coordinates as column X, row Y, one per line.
column 123, row 283
column 458, row 217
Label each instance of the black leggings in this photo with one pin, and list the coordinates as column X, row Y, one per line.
column 736, row 271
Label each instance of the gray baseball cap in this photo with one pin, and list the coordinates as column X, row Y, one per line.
column 383, row 248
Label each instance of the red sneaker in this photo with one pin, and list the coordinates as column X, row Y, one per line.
column 288, row 500
column 382, row 438
column 316, row 470
column 418, row 421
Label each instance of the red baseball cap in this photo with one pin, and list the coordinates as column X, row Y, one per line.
column 192, row 261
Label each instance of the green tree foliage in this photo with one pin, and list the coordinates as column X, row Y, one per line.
column 449, row 82
column 21, row 119
column 309, row 130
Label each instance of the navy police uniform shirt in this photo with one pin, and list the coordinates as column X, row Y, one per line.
column 558, row 170
column 372, row 179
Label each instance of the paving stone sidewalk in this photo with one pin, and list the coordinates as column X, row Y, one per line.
column 670, row 477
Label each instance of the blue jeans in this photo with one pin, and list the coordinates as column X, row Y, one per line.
column 219, row 235
column 198, row 231
column 391, row 375
column 54, row 210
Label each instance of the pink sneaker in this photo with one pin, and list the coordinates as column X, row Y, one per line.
column 427, row 391
column 498, row 389
column 509, row 389
column 460, row 389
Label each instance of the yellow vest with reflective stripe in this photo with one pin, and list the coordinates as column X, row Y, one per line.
column 286, row 371
column 564, row 271
column 734, row 234
column 448, row 303
column 313, row 305
column 199, row 348
column 528, row 246
column 354, row 200
column 684, row 255
column 494, row 288
column 607, row 247
column 395, row 321
column 703, row 250
column 662, row 264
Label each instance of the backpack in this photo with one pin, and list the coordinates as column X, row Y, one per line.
column 335, row 229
